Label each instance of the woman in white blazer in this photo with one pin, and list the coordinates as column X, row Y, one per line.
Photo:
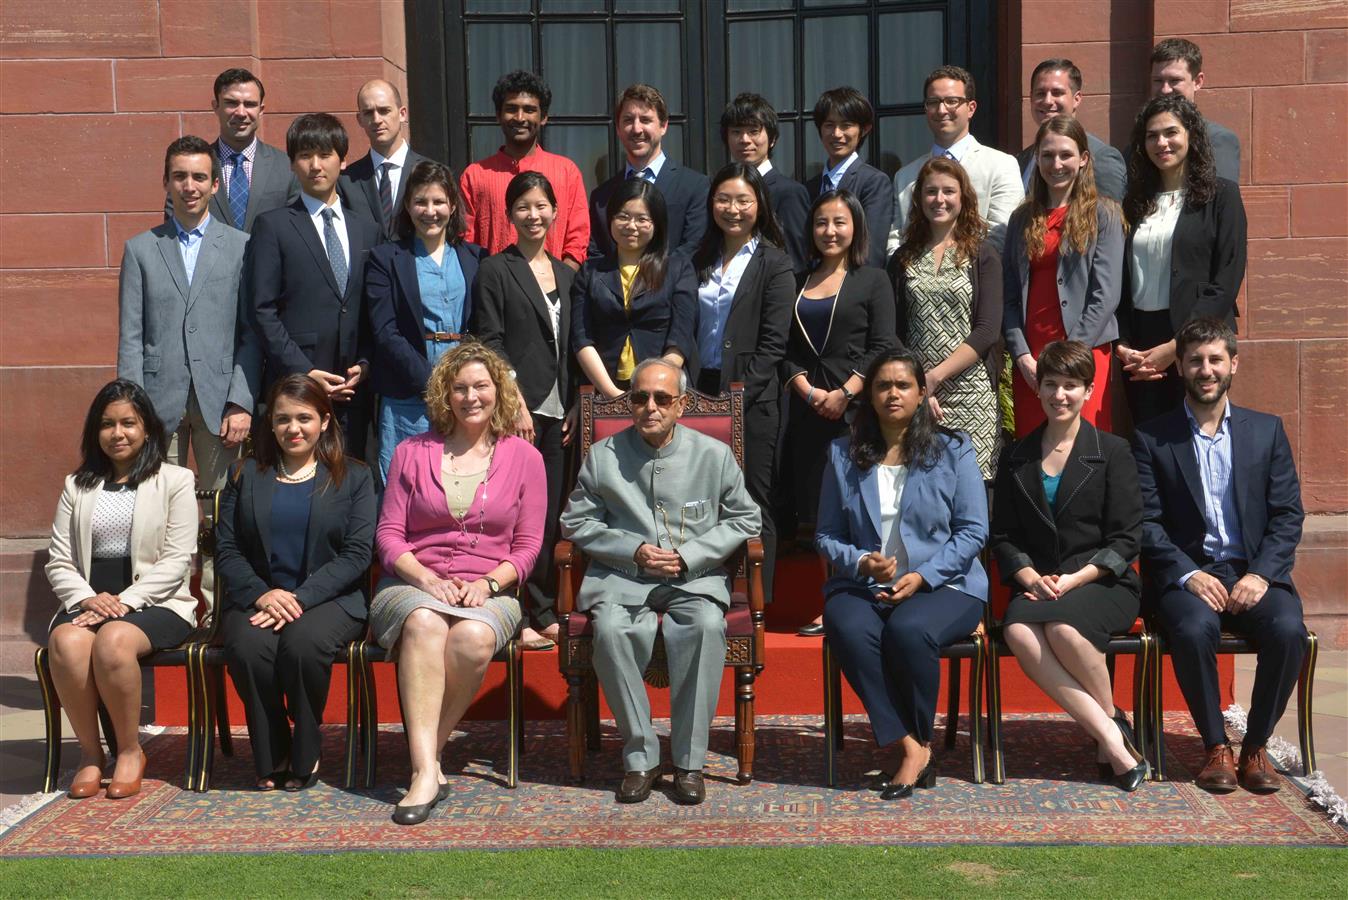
column 120, row 563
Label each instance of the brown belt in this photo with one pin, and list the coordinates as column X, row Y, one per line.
column 442, row 336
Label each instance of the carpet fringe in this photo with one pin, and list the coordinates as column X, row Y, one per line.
column 1288, row 757
column 17, row 812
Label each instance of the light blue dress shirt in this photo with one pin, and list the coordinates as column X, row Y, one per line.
column 714, row 299
column 1223, row 538
column 189, row 242
column 651, row 172
column 833, row 177
column 956, row 150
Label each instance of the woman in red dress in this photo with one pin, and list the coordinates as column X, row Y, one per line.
column 1063, row 270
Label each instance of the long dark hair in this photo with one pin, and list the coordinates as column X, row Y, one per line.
column 428, row 171
column 655, row 258
column 856, row 253
column 95, row 467
column 302, row 389
column 765, row 223
column 1144, row 179
column 922, row 442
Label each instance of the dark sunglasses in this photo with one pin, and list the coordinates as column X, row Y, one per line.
column 641, row 398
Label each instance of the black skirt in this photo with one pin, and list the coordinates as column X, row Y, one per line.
column 164, row 628
column 1097, row 610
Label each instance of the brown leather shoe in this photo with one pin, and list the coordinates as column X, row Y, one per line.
column 1219, row 772
column 637, row 785
column 1256, row 771
column 120, row 790
column 81, row 789
column 689, row 787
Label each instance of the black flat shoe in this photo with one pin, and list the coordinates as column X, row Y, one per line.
column 443, row 794
column 881, row 781
column 925, row 779
column 303, row 785
column 1132, row 779
column 814, row 629
column 413, row 815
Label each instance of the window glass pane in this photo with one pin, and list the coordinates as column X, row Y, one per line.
column 835, row 55
column 579, row 80
column 815, row 157
column 585, row 145
column 673, row 145
column 760, row 57
column 486, row 140
column 646, row 6
column 913, row 44
column 784, row 152
column 496, row 6
column 494, row 49
column 809, row 3
column 902, row 139
column 651, row 52
column 571, row 6
column 756, row 5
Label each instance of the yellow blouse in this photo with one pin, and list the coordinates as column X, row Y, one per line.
column 627, row 360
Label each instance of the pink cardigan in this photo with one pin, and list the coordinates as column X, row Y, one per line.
column 416, row 516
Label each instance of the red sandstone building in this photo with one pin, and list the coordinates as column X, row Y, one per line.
column 91, row 93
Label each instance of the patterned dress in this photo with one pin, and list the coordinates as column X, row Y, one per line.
column 940, row 318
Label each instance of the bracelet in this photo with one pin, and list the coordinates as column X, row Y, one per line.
column 809, row 400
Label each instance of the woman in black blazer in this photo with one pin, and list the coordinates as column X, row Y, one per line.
column 1185, row 255
column 521, row 309
column 843, row 318
column 1066, row 530
column 744, row 295
column 419, row 292
column 292, row 547
column 638, row 302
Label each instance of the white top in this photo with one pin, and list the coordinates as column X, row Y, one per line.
column 110, row 524
column 892, row 480
column 1150, row 260
column 395, row 174
column 765, row 167
column 315, row 209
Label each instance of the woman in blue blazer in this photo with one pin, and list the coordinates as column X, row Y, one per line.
column 419, row 292
column 903, row 514
column 638, row 302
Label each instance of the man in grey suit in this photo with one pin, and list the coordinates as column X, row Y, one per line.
column 254, row 177
column 181, row 334
column 1177, row 67
column 659, row 508
column 1055, row 90
column 373, row 184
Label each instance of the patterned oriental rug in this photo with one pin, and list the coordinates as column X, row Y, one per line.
column 1051, row 797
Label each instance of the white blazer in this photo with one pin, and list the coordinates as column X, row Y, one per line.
column 995, row 177
column 163, row 539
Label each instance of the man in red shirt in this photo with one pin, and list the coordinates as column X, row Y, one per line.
column 522, row 100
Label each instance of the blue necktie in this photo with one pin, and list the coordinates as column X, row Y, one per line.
column 644, row 174
column 336, row 258
column 238, row 192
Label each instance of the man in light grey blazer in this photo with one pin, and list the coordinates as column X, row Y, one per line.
column 376, row 184
column 659, row 508
column 948, row 98
column 1177, row 68
column 182, row 335
column 1055, row 90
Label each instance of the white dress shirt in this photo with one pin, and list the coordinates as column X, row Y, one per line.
column 714, row 299
column 956, row 150
column 892, row 480
column 651, row 171
column 1149, row 261
column 315, row 209
column 395, row 174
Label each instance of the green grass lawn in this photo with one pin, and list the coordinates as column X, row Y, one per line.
column 1132, row 872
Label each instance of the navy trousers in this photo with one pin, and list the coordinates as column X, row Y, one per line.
column 891, row 653
column 1192, row 630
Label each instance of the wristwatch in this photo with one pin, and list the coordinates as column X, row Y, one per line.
column 848, row 394
column 492, row 583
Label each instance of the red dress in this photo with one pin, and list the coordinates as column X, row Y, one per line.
column 1043, row 325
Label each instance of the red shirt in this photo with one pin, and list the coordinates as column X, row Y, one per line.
column 484, row 183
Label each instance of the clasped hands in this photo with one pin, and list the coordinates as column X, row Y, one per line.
column 457, row 591
column 1244, row 594
column 275, row 608
column 339, row 387
column 99, row 608
column 659, row 562
column 1146, row 365
column 883, row 569
column 1050, row 587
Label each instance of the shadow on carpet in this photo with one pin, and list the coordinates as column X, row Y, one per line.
column 1051, row 797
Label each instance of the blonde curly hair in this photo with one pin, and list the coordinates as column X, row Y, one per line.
column 440, row 389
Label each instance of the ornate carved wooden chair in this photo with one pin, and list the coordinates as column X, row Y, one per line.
column 720, row 417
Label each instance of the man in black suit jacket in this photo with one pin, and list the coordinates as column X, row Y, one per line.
column 1055, row 90
column 749, row 131
column 305, row 270
column 641, row 119
column 1221, row 523
column 1177, row 67
column 254, row 177
column 374, row 185
column 844, row 118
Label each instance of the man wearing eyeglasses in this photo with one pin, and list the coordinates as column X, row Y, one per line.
column 950, row 106
column 659, row 508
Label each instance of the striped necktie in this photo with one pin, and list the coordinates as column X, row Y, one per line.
column 238, row 191
column 386, row 193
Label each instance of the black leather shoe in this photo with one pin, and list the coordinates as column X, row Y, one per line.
column 443, row 794
column 925, row 779
column 637, row 785
column 690, row 788
column 413, row 815
column 1129, row 739
column 1132, row 779
column 814, row 629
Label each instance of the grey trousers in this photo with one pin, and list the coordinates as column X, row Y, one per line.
column 213, row 459
column 694, row 635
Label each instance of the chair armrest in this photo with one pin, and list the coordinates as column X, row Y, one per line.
column 753, row 558
column 566, row 556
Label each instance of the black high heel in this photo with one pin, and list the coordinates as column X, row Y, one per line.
column 925, row 779
column 1129, row 738
column 1132, row 779
column 305, row 784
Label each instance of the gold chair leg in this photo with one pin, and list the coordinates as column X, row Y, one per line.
column 994, row 677
column 952, row 713
column 1306, row 704
column 51, row 713
column 515, row 679
column 1158, row 708
column 353, row 719
column 369, row 698
column 976, row 666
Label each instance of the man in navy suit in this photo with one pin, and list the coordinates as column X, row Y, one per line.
column 373, row 184
column 305, row 271
column 641, row 119
column 1221, row 523
column 1177, row 68
column 749, row 130
column 844, row 118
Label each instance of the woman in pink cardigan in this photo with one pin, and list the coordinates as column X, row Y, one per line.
column 461, row 526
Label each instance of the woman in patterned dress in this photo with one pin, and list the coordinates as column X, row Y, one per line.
column 461, row 527
column 948, row 294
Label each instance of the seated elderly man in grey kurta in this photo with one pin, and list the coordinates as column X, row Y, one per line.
column 659, row 508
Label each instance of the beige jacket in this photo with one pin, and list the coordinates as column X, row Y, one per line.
column 163, row 539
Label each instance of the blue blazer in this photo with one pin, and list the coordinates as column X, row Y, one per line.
column 1268, row 496
column 400, row 368
column 658, row 320
column 943, row 518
